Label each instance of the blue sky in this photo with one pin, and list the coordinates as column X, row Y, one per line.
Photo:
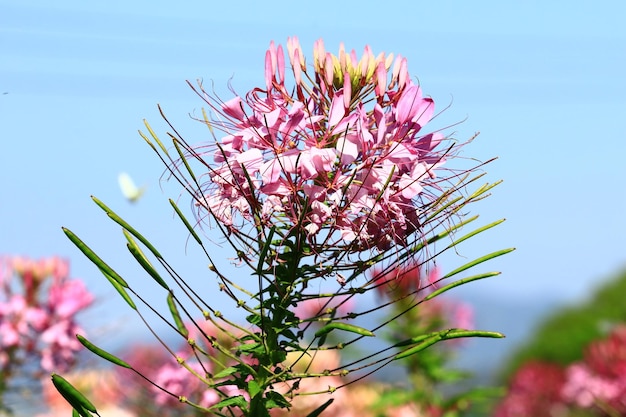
column 542, row 81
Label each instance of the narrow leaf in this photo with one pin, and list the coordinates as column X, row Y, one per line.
column 102, row 353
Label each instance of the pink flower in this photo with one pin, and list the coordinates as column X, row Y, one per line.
column 67, row 298
column 403, row 280
column 181, row 382
column 534, row 391
column 583, row 388
column 601, row 377
column 354, row 134
column 61, row 346
column 318, row 307
column 37, row 313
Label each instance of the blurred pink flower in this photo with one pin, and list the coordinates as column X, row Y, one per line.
column 462, row 315
column 60, row 346
column 181, row 382
column 535, row 390
column 601, row 377
column 318, row 307
column 68, row 298
column 37, row 313
column 583, row 388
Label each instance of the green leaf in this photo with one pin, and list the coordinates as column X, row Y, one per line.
column 253, row 388
column 177, row 319
column 117, row 219
column 238, row 401
column 254, row 319
column 102, row 353
column 225, row 372
column 274, row 400
column 94, row 258
column 250, row 347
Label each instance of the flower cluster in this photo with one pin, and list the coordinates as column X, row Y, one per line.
column 594, row 386
column 344, row 151
column 600, row 380
column 37, row 314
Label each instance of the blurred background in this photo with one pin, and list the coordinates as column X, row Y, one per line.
column 543, row 82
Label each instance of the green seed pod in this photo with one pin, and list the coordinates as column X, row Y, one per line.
column 176, row 315
column 102, row 353
column 77, row 400
column 345, row 327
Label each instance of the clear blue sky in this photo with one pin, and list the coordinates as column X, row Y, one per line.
column 544, row 83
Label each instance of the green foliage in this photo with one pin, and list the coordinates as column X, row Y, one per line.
column 562, row 337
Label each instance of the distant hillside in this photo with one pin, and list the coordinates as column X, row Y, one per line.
column 562, row 336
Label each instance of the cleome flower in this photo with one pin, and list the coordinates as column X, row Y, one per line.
column 341, row 157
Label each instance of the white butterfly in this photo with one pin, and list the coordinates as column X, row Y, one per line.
column 129, row 189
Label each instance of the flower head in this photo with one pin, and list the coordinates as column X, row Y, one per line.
column 341, row 158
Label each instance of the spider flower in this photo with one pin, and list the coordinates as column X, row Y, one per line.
column 342, row 156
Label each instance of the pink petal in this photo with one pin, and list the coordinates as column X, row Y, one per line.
column 233, row 108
